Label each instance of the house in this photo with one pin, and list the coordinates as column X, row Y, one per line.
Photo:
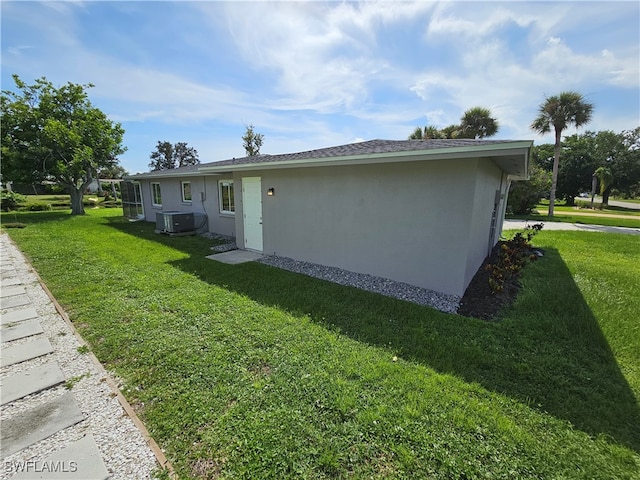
column 422, row 212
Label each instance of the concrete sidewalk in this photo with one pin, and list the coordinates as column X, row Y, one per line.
column 520, row 224
column 61, row 417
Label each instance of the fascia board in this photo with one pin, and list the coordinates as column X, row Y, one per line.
column 156, row 176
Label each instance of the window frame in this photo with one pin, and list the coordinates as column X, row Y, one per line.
column 232, row 204
column 156, row 195
column 183, row 184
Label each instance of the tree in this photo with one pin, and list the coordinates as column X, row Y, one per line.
column 116, row 171
column 577, row 163
column 625, row 165
column 605, row 177
column 431, row 132
column 452, row 131
column 417, row 134
column 252, row 141
column 524, row 195
column 584, row 153
column 478, row 123
column 559, row 112
column 56, row 134
column 167, row 156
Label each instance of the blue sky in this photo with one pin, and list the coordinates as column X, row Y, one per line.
column 315, row 74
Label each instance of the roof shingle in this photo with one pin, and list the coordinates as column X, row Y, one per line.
column 361, row 148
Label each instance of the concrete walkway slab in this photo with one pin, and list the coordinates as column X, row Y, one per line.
column 19, row 316
column 15, row 301
column 38, row 423
column 80, row 460
column 33, row 381
column 11, row 281
column 8, row 273
column 25, row 351
column 20, row 330
column 235, row 257
column 10, row 291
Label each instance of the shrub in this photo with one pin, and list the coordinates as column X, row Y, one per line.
column 524, row 195
column 587, row 204
column 41, row 207
column 11, row 200
column 512, row 257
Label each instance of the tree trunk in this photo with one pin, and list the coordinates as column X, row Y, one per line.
column 554, row 175
column 605, row 196
column 77, row 207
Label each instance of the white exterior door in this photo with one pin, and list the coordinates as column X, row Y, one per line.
column 252, row 213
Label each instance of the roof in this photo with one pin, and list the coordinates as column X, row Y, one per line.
column 188, row 170
column 360, row 148
column 510, row 155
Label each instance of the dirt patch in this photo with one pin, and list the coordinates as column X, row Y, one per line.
column 479, row 301
column 206, row 468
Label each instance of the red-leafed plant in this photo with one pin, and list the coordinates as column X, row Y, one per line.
column 512, row 257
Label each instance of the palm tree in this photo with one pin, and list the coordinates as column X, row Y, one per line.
column 477, row 122
column 606, row 179
column 560, row 111
column 417, row 134
column 431, row 132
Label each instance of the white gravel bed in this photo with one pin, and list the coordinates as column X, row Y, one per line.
column 383, row 286
column 124, row 450
column 228, row 245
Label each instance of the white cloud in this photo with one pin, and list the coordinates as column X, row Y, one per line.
column 560, row 64
column 318, row 57
column 18, row 50
column 313, row 74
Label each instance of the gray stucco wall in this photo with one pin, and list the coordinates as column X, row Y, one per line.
column 411, row 222
column 171, row 190
column 487, row 182
column 221, row 223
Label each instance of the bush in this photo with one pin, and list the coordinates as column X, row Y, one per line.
column 41, row 207
column 512, row 258
column 587, row 204
column 524, row 195
column 11, row 200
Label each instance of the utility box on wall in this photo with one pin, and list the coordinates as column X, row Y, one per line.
column 174, row 222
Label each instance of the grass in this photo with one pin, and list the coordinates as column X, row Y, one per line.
column 62, row 202
column 609, row 222
column 249, row 371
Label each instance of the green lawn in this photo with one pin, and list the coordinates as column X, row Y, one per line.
column 252, row 372
column 61, row 202
column 580, row 219
column 583, row 206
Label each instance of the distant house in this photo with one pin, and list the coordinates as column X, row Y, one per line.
column 423, row 212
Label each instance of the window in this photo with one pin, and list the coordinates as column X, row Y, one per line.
column 227, row 205
column 156, row 195
column 186, row 192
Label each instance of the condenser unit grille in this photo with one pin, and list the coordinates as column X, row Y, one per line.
column 174, row 222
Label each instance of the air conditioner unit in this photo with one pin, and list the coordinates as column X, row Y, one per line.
column 174, row 222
